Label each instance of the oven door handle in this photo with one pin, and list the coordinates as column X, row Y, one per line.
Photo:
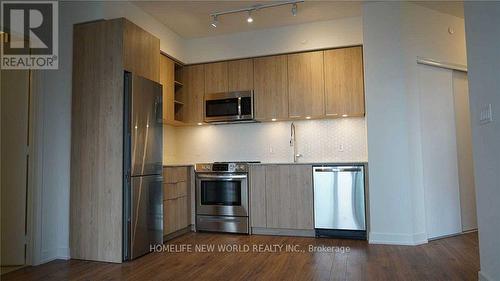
column 222, row 177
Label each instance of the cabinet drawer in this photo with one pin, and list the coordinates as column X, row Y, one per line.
column 175, row 215
column 175, row 174
column 174, row 190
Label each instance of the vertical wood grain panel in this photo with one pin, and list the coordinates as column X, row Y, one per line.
column 306, row 88
column 216, row 77
column 240, row 75
column 302, row 196
column 258, row 196
column 193, row 91
column 167, row 67
column 141, row 51
column 96, row 142
column 271, row 87
column 344, row 85
column 278, row 197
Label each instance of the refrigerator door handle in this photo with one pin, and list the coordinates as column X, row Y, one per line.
column 159, row 109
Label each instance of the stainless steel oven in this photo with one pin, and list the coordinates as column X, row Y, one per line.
column 229, row 107
column 222, row 197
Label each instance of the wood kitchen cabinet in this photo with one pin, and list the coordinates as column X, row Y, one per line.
column 102, row 51
column 236, row 75
column 140, row 51
column 281, row 197
column 344, row 86
column 193, row 91
column 257, row 176
column 176, row 199
column 216, row 77
column 240, row 75
column 271, row 88
column 306, row 87
column 167, row 67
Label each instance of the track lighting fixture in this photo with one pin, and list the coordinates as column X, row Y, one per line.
column 250, row 19
column 214, row 21
column 249, row 10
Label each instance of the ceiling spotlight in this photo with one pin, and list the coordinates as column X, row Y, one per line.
column 294, row 9
column 249, row 19
column 214, row 21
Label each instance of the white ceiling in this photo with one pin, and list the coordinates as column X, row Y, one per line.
column 190, row 19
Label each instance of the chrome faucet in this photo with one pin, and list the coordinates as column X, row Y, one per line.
column 293, row 143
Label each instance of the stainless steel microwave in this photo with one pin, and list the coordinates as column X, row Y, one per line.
column 229, row 107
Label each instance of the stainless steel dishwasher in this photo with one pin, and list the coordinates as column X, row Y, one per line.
column 339, row 201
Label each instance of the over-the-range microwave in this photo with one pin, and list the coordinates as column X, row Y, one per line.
column 229, row 107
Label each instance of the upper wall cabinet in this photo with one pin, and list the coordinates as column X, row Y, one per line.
column 227, row 76
column 140, row 51
column 167, row 67
column 240, row 75
column 216, row 77
column 271, row 88
column 193, row 91
column 306, row 86
column 344, row 87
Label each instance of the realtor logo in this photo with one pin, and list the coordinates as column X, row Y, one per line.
column 30, row 35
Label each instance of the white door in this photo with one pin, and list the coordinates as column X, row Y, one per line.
column 439, row 152
column 14, row 139
column 464, row 151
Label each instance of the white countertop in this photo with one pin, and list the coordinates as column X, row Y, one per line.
column 280, row 163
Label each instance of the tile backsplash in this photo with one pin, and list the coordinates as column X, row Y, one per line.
column 329, row 140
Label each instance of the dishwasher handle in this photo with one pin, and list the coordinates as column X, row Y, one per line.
column 337, row 169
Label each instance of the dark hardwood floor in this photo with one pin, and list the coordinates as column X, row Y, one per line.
column 454, row 258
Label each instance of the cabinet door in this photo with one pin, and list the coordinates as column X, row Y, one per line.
column 216, row 77
column 279, row 206
column 344, row 86
column 141, row 51
column 194, row 90
column 271, row 87
column 289, row 198
column 306, row 86
column 258, row 196
column 302, row 195
column 240, row 75
column 167, row 82
column 175, row 215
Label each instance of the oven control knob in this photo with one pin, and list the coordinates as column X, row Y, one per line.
column 206, row 167
column 240, row 167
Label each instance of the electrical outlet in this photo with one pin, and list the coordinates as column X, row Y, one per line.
column 486, row 115
column 341, row 147
column 271, row 149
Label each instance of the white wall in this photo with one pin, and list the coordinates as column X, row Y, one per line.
column 317, row 140
column 54, row 118
column 309, row 36
column 395, row 34
column 482, row 21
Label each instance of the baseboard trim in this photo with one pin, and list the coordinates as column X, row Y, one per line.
column 484, row 277
column 176, row 234
column 283, row 232
column 397, row 238
column 63, row 253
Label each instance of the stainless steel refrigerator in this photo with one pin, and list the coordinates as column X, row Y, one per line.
column 142, row 166
column 339, row 201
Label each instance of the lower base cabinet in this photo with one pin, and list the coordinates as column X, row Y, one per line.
column 281, row 196
column 176, row 215
column 176, row 199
